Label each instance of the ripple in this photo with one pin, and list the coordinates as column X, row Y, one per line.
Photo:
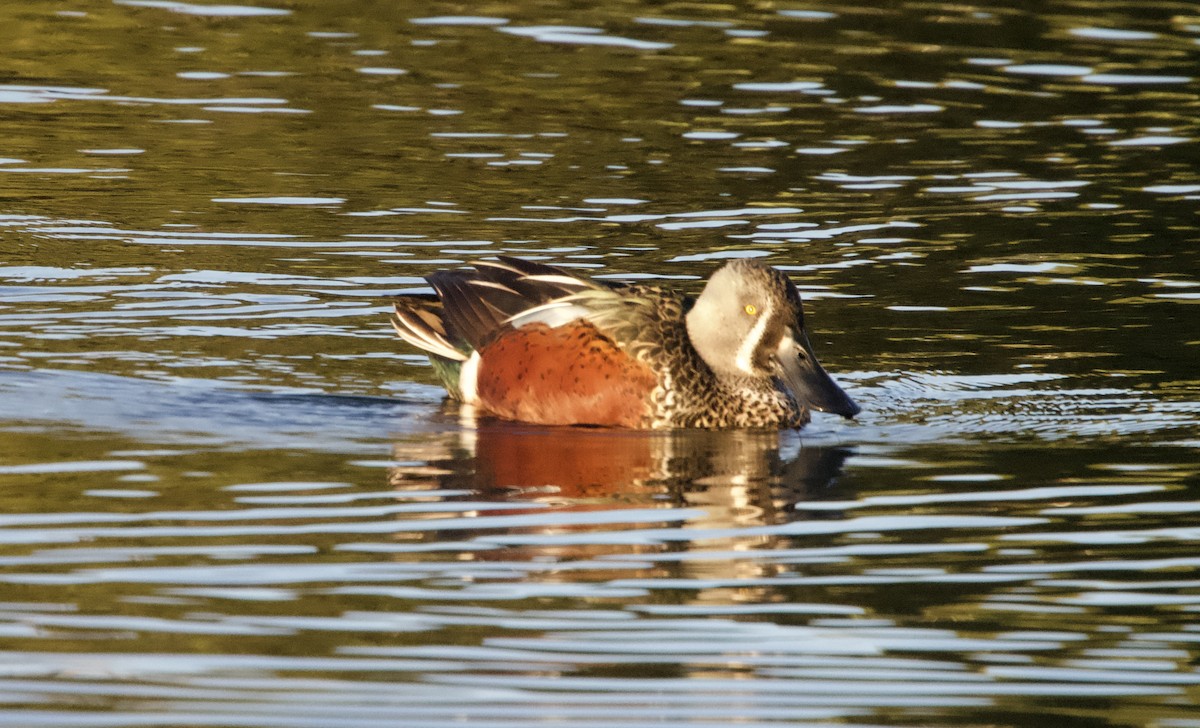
column 217, row 11
column 1121, row 79
column 993, row 252
column 808, row 14
column 382, row 71
column 1047, row 493
column 785, row 87
column 51, row 273
column 1112, row 34
column 25, row 94
column 285, row 487
column 202, row 75
column 1148, row 141
column 281, row 200
column 1021, row 268
column 711, row 135
column 482, row 20
column 121, row 493
column 1173, row 189
column 115, row 152
column 900, row 109
column 1048, row 69
column 74, row 466
column 575, row 35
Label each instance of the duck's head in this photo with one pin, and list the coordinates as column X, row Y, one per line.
column 748, row 322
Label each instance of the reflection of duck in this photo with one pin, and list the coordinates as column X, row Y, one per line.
column 532, row 343
column 583, row 495
column 611, row 467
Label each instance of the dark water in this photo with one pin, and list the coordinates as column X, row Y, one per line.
column 231, row 498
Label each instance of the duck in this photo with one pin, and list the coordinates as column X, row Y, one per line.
column 529, row 342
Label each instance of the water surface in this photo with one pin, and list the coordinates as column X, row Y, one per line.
column 232, row 498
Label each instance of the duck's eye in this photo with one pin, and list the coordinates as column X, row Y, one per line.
column 750, row 309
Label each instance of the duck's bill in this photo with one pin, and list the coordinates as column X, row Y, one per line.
column 808, row 380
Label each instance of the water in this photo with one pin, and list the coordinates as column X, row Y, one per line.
column 232, row 498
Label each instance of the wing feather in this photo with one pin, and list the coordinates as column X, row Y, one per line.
column 498, row 295
column 464, row 309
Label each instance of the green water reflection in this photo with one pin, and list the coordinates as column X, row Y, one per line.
column 231, row 497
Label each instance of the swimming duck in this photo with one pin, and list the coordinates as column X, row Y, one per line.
column 529, row 342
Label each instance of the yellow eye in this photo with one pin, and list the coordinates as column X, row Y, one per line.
column 751, row 309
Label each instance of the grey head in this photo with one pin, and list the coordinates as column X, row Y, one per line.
column 749, row 323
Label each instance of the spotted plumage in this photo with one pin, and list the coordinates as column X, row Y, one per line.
column 525, row 341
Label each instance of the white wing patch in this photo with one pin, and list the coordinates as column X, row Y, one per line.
column 559, row 280
column 555, row 313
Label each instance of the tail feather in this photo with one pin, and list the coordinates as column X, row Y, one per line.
column 419, row 322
